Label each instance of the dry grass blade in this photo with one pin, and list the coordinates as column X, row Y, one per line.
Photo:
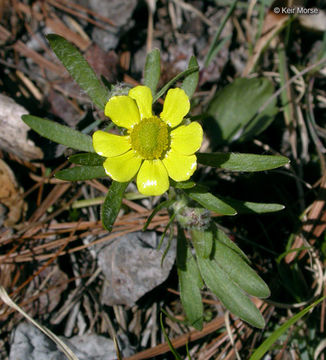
column 61, row 345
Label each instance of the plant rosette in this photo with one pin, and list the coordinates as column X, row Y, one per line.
column 154, row 147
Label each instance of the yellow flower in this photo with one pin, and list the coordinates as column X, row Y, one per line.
column 154, row 147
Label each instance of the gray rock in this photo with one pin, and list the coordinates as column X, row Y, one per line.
column 29, row 343
column 120, row 12
column 132, row 267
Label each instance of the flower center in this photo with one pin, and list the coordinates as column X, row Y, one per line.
column 150, row 138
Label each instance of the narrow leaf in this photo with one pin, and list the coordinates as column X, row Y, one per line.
column 231, row 296
column 203, row 242
column 79, row 69
column 241, row 162
column 59, row 133
column 190, row 82
column 88, row 159
column 267, row 344
column 152, row 70
column 112, row 203
column 247, row 207
column 190, row 283
column 210, row 202
column 78, row 173
column 159, row 207
column 175, row 79
column 224, row 239
column 239, row 271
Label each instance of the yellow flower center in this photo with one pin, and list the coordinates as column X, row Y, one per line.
column 150, row 138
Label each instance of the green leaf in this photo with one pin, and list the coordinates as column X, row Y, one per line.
column 212, row 50
column 190, row 82
column 59, row 133
column 81, row 173
column 224, row 239
column 239, row 271
column 203, row 242
column 231, row 296
column 171, row 347
column 210, row 202
column 159, row 207
column 190, row 283
column 79, row 69
column 152, row 70
column 166, row 87
column 235, row 110
column 247, row 207
column 241, row 162
column 112, row 203
column 182, row 184
column 267, row 344
column 88, row 159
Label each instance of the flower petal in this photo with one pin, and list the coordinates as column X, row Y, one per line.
column 187, row 139
column 176, row 107
column 124, row 167
column 108, row 145
column 152, row 178
column 144, row 99
column 180, row 167
column 123, row 111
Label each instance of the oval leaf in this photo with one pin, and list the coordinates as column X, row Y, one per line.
column 190, row 283
column 210, row 202
column 88, row 159
column 229, row 293
column 190, row 82
column 81, row 173
column 235, row 110
column 79, row 69
column 239, row 271
column 112, row 203
column 59, row 133
column 242, row 162
column 152, row 70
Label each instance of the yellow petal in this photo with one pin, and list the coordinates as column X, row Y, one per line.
column 187, row 139
column 176, row 107
column 124, row 167
column 180, row 167
column 152, row 178
column 123, row 111
column 144, row 99
column 108, row 145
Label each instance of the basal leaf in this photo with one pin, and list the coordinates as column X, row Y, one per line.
column 87, row 159
column 235, row 110
column 112, row 203
column 231, row 296
column 203, row 242
column 189, row 283
column 59, row 133
column 152, row 70
column 239, row 271
column 210, row 202
column 79, row 69
column 224, row 239
column 190, row 82
column 241, row 162
column 81, row 173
